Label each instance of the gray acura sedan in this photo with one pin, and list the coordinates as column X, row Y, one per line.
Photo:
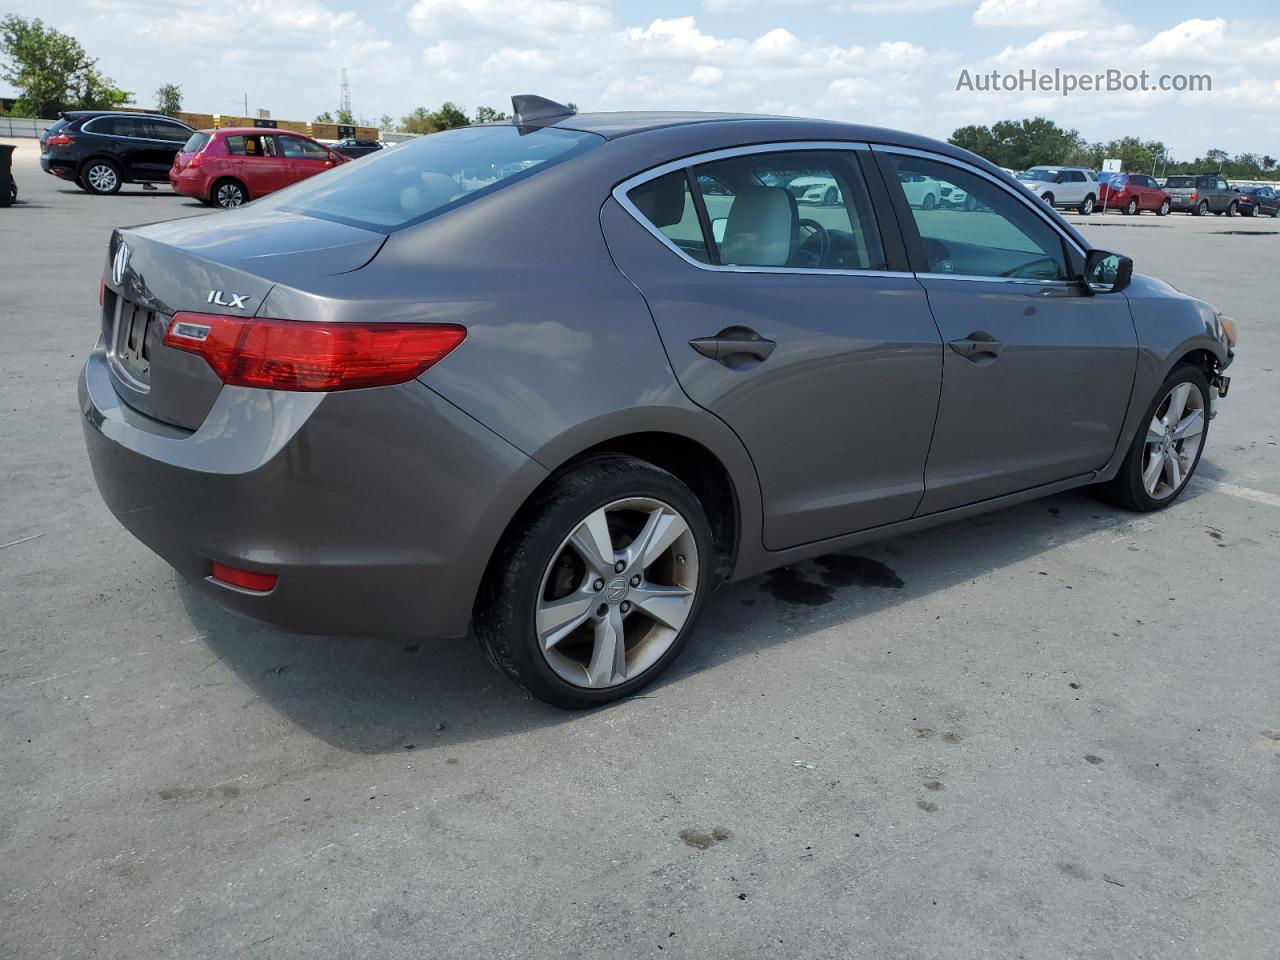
column 557, row 379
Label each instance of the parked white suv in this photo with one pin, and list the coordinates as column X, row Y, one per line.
column 1063, row 186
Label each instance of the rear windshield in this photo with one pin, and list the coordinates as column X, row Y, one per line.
column 391, row 189
column 196, row 143
column 1180, row 182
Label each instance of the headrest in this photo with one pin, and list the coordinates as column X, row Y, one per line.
column 761, row 228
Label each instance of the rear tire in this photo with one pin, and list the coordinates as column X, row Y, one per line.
column 101, row 177
column 1149, row 456
column 551, row 602
column 1131, row 208
column 228, row 194
column 1086, row 206
column 1201, row 209
column 1048, row 198
column 930, row 201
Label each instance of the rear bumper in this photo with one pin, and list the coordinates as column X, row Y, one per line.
column 189, row 183
column 377, row 509
column 59, row 168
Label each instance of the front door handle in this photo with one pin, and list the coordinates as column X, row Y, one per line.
column 979, row 346
column 734, row 344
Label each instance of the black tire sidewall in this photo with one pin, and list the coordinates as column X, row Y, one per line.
column 1129, row 480
column 504, row 619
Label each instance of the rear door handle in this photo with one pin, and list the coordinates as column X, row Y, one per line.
column 732, row 344
column 977, row 347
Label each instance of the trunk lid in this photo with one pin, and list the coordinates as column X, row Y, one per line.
column 223, row 263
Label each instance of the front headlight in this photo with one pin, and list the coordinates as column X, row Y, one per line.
column 1228, row 330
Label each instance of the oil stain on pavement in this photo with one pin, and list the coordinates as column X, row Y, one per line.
column 789, row 585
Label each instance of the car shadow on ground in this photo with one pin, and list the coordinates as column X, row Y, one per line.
column 374, row 695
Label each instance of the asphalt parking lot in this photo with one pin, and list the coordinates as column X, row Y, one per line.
column 1049, row 732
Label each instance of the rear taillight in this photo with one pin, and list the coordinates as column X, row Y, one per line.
column 59, row 140
column 1195, row 194
column 194, row 161
column 295, row 355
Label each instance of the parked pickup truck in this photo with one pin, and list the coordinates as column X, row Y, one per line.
column 1201, row 193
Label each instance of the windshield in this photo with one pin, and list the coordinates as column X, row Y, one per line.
column 391, row 189
column 1048, row 176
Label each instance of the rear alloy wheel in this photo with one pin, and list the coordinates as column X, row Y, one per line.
column 1201, row 208
column 831, row 198
column 1048, row 198
column 930, row 201
column 101, row 177
column 1086, row 206
column 1165, row 207
column 1164, row 455
column 1131, row 208
column 229, row 194
column 597, row 592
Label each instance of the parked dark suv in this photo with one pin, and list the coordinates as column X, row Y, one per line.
column 102, row 150
column 356, row 148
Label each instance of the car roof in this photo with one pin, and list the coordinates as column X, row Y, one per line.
column 77, row 114
column 243, row 130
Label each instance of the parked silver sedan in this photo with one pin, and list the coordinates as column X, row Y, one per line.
column 557, row 379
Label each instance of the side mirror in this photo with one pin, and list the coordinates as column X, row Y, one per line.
column 717, row 228
column 1106, row 272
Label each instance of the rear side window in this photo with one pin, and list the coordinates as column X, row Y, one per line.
column 251, row 145
column 391, row 189
column 667, row 203
column 992, row 235
column 1175, row 183
column 196, row 143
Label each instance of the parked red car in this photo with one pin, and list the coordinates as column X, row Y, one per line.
column 231, row 167
column 1132, row 193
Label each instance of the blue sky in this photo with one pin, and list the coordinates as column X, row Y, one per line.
column 889, row 62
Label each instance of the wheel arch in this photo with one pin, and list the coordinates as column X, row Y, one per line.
column 94, row 157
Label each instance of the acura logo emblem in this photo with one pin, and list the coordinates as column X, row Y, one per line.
column 119, row 264
column 617, row 589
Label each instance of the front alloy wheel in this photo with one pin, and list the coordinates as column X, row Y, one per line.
column 1163, row 458
column 597, row 587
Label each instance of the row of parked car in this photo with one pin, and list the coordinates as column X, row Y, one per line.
column 102, row 150
column 1198, row 194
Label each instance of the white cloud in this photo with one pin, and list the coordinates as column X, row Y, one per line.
column 706, row 76
column 1037, row 13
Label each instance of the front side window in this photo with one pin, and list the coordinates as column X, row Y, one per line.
column 391, row 189
column 164, row 130
column 298, row 148
column 992, row 235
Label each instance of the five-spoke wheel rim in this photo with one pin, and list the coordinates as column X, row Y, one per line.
column 617, row 593
column 1173, row 441
column 102, row 178
column 229, row 195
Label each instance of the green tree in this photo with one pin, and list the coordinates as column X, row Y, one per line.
column 450, row 115
column 169, row 99
column 421, row 120
column 489, row 115
column 385, row 122
column 977, row 139
column 325, row 117
column 52, row 71
column 345, row 117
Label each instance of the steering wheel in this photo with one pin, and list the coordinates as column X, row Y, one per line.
column 1017, row 271
column 824, row 238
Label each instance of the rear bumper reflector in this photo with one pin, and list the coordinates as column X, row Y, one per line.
column 244, row 579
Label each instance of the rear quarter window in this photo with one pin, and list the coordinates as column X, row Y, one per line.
column 196, row 142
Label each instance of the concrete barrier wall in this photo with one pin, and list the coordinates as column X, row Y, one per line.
column 23, row 126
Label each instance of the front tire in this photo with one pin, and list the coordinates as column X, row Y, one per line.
column 1232, row 209
column 1048, row 198
column 831, row 198
column 101, row 177
column 599, row 584
column 1165, row 207
column 930, row 201
column 1167, row 448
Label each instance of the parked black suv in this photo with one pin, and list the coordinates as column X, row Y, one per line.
column 101, row 150
column 357, row 148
